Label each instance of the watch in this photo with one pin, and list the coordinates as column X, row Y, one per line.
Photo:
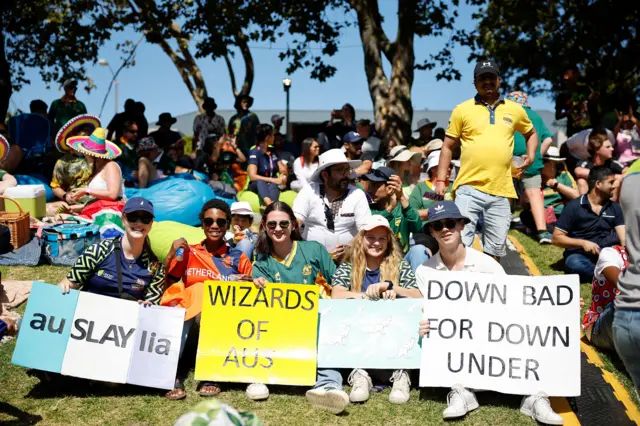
column 390, row 283
column 555, row 185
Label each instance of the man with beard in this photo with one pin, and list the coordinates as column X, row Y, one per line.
column 330, row 209
column 485, row 126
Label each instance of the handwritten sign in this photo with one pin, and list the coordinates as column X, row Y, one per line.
column 96, row 337
column 512, row 334
column 252, row 335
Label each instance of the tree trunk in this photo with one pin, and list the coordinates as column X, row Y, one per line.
column 6, row 89
column 249, row 69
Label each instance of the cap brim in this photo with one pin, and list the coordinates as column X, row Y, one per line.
column 432, row 124
column 72, row 126
column 255, row 217
column 426, row 230
column 366, row 228
column 558, row 159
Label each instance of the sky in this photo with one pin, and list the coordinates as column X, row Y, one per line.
column 155, row 81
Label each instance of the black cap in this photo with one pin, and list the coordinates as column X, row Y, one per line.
column 486, row 66
column 381, row 174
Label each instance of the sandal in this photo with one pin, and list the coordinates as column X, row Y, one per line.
column 208, row 389
column 177, row 393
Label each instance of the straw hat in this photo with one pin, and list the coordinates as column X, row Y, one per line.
column 72, row 126
column 4, row 148
column 330, row 158
column 95, row 145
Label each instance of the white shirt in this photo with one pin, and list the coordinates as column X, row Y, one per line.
column 309, row 208
column 303, row 173
column 608, row 257
column 579, row 143
column 474, row 261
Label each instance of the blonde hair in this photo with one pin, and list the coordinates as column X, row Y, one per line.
column 357, row 256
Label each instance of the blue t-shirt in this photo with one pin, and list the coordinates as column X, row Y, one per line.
column 267, row 162
column 135, row 277
column 370, row 277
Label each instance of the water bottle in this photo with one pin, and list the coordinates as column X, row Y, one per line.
column 180, row 254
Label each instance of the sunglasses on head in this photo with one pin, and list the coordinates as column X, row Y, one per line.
column 448, row 223
column 134, row 217
column 208, row 221
column 284, row 224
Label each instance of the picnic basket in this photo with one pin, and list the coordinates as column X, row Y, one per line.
column 18, row 224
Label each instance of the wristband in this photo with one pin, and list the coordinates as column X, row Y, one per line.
column 555, row 185
column 390, row 285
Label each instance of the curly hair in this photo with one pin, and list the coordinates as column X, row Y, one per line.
column 215, row 204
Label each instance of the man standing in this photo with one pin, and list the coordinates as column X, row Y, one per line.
column 116, row 125
column 207, row 124
column 67, row 107
column 590, row 223
column 164, row 137
column 243, row 125
column 485, row 126
column 330, row 209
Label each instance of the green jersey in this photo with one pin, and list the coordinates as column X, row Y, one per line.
column 402, row 221
column 553, row 198
column 308, row 263
column 423, row 197
column 520, row 145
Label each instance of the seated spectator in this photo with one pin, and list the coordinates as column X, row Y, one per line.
column 164, row 136
column 38, row 106
column 371, row 144
column 281, row 151
column 224, row 165
column 590, row 223
column 446, row 224
column 186, row 165
column 305, row 165
column 434, row 146
column 240, row 235
column 6, row 180
column 597, row 322
column 601, row 151
column 13, row 156
column 373, row 269
column 406, row 163
column 211, row 259
column 389, row 201
column 264, row 166
column 71, row 171
column 105, row 181
column 124, row 267
column 284, row 258
column 352, row 148
column 207, row 124
column 627, row 138
column 559, row 187
column 153, row 163
column 128, row 144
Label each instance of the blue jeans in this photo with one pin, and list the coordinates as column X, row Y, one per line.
column 327, row 377
column 265, row 189
column 246, row 247
column 416, row 256
column 579, row 263
column 602, row 330
column 626, row 336
column 496, row 214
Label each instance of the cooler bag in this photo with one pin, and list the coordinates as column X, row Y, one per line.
column 62, row 244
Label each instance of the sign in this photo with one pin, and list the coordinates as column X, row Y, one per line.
column 97, row 337
column 512, row 334
column 380, row 334
column 252, row 335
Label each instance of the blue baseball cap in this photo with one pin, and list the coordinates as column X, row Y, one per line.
column 138, row 204
column 352, row 137
column 445, row 210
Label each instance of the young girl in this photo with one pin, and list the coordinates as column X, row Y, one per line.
column 240, row 235
column 306, row 164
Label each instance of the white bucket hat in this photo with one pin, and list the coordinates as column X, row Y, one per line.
column 331, row 158
column 401, row 154
column 553, row 154
column 243, row 208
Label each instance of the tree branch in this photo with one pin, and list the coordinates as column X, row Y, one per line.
column 232, row 74
column 249, row 69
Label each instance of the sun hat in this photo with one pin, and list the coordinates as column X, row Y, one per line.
column 4, row 148
column 330, row 158
column 239, row 98
column 166, row 116
column 553, row 154
column 423, row 122
column 72, row 126
column 95, row 145
column 434, row 145
column 381, row 174
column 146, row 144
column 243, row 208
column 433, row 160
column 519, row 98
column 401, row 153
column 374, row 221
column 138, row 204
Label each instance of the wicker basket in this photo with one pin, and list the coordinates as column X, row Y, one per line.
column 18, row 224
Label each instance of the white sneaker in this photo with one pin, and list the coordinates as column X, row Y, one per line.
column 459, row 402
column 401, row 387
column 361, row 385
column 257, row 391
column 328, row 398
column 539, row 408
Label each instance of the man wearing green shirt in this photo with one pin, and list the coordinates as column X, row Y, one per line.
column 531, row 181
column 423, row 196
column 64, row 109
column 389, row 201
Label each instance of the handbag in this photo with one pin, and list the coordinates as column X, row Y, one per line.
column 118, row 249
column 64, row 243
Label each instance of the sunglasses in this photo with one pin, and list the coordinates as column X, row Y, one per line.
column 448, row 223
column 135, row 132
column 208, row 221
column 284, row 224
column 144, row 218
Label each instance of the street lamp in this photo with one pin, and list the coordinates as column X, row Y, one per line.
column 103, row 62
column 286, row 83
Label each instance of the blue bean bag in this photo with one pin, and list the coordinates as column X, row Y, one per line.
column 36, row 180
column 179, row 200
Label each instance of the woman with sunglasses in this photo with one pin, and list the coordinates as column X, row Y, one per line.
column 97, row 269
column 446, row 224
column 284, row 258
column 211, row 259
column 267, row 172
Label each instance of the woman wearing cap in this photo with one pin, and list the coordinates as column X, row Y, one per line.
column 240, row 235
column 306, row 164
column 407, row 165
column 284, row 258
column 211, row 259
column 129, row 257
column 267, row 172
column 106, row 182
column 445, row 222
column 6, row 180
column 373, row 269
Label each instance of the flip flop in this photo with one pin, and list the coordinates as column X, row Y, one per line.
column 177, row 393
column 204, row 386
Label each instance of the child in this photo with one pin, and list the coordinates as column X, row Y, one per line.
column 240, row 235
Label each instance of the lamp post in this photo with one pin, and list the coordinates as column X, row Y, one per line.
column 105, row 63
column 286, row 83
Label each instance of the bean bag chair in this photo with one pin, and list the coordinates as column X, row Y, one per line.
column 251, row 198
column 164, row 233
column 36, row 180
column 179, row 200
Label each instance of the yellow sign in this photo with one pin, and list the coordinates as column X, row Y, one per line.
column 252, row 335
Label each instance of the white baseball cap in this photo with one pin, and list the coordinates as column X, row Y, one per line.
column 375, row 221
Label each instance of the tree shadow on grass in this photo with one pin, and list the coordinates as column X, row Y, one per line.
column 21, row 417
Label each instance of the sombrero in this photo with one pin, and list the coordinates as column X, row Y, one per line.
column 72, row 126
column 95, row 145
column 4, row 148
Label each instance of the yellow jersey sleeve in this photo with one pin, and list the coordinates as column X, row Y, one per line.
column 454, row 129
column 522, row 123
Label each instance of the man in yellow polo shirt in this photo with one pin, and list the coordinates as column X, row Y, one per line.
column 485, row 126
